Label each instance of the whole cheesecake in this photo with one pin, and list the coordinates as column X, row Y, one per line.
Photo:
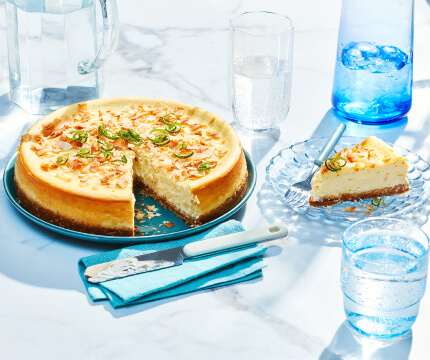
column 369, row 170
column 76, row 167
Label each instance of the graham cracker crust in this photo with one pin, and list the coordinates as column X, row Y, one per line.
column 53, row 218
column 388, row 191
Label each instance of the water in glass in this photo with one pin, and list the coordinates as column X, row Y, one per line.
column 260, row 64
column 383, row 279
column 261, row 91
column 47, row 40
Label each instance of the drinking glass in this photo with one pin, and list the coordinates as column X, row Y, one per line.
column 373, row 74
column 383, row 275
column 260, row 64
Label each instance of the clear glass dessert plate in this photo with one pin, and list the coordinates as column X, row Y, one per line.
column 294, row 163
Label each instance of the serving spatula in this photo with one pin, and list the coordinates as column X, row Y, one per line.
column 173, row 257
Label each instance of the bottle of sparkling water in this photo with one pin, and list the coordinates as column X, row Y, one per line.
column 373, row 74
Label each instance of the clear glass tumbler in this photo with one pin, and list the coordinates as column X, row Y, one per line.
column 373, row 74
column 260, row 65
column 384, row 275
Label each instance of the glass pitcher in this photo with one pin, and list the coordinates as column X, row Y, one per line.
column 55, row 55
column 373, row 74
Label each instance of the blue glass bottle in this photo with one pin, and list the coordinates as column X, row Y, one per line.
column 373, row 74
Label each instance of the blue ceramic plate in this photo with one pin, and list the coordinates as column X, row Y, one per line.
column 294, row 163
column 153, row 229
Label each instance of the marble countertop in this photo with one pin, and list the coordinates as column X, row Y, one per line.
column 178, row 50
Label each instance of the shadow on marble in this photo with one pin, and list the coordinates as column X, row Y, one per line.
column 45, row 258
column 419, row 137
column 348, row 344
column 138, row 308
column 6, row 107
column 37, row 256
column 308, row 230
column 389, row 132
column 238, row 215
column 421, row 84
column 259, row 143
column 272, row 251
column 262, row 143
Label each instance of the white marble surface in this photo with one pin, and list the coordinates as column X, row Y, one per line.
column 178, row 50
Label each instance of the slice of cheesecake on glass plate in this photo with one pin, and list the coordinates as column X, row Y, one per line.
column 369, row 170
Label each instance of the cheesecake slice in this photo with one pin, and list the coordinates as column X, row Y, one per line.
column 369, row 170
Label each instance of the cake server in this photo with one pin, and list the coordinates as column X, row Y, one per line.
column 296, row 193
column 172, row 257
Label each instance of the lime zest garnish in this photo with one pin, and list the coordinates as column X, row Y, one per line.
column 334, row 164
column 109, row 134
column 134, row 134
column 378, row 202
column 182, row 146
column 61, row 160
column 78, row 135
column 204, row 166
column 106, row 148
column 124, row 134
column 173, row 128
column 83, row 153
column 100, row 131
column 123, row 159
column 167, row 121
column 160, row 138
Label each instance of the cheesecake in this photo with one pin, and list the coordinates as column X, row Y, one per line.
column 369, row 170
column 77, row 167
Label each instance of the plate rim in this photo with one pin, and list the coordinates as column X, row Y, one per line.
column 351, row 218
column 132, row 239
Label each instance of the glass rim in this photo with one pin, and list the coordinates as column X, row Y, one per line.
column 380, row 218
column 289, row 27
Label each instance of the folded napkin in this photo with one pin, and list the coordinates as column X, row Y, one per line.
column 194, row 274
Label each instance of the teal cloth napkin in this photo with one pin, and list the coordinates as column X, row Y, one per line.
column 193, row 275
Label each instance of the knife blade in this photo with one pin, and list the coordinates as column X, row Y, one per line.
column 174, row 257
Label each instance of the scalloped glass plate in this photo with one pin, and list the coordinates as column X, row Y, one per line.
column 151, row 228
column 294, row 163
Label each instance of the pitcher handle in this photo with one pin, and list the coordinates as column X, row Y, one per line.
column 109, row 41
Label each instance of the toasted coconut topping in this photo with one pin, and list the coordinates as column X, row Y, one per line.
column 26, row 137
column 362, row 155
column 95, row 143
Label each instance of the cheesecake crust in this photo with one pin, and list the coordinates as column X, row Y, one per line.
column 388, row 191
column 57, row 219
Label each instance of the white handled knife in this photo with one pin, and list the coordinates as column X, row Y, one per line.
column 176, row 256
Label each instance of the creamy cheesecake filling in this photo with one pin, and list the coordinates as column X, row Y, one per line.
column 333, row 185
column 370, row 169
column 178, row 195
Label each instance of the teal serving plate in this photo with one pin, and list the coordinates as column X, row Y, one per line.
column 152, row 230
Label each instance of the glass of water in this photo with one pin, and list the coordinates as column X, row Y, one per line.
column 260, row 61
column 384, row 275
